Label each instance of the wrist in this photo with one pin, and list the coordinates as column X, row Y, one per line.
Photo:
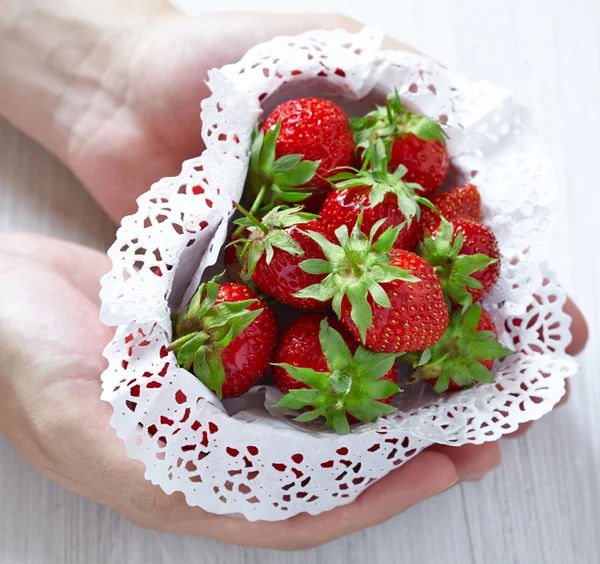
column 66, row 58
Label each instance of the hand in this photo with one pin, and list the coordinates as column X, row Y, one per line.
column 121, row 105
column 120, row 131
column 51, row 345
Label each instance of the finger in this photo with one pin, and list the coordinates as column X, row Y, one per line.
column 522, row 429
column 426, row 475
column 258, row 28
column 526, row 427
column 81, row 266
column 567, row 395
column 471, row 461
column 579, row 328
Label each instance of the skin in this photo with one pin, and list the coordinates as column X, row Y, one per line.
column 112, row 88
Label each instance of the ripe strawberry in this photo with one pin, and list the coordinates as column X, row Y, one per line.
column 466, row 257
column 378, row 194
column 318, row 365
column 225, row 336
column 413, row 141
column 299, row 132
column 463, row 202
column 464, row 355
column 391, row 301
column 273, row 250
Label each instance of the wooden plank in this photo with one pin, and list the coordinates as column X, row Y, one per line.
column 541, row 506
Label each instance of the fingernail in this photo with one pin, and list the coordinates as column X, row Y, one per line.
column 446, row 488
column 474, row 477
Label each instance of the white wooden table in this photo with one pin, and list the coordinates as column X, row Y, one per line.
column 543, row 505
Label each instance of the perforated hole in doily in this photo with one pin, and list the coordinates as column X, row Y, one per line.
column 256, row 463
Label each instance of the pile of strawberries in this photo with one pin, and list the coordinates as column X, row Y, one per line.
column 341, row 216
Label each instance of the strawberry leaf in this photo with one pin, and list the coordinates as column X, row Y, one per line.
column 212, row 373
column 302, row 173
column 286, row 163
column 362, row 313
column 310, row 415
column 426, row 129
column 334, row 347
column 454, row 269
column 308, row 376
column 266, row 158
column 382, row 183
column 456, row 356
column 316, row 266
column 273, row 181
column 357, row 268
column 352, row 384
column 382, row 389
column 204, row 329
column 338, row 421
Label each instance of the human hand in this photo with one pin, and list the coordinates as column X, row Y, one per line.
column 51, row 344
column 114, row 139
column 120, row 105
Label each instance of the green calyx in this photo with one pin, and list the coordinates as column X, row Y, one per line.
column 381, row 182
column 391, row 121
column 453, row 269
column 455, row 357
column 356, row 268
column 273, row 181
column 352, row 385
column 268, row 234
column 202, row 330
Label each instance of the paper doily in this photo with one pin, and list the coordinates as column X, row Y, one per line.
column 245, row 460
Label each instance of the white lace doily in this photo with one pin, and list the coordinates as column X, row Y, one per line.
column 246, row 460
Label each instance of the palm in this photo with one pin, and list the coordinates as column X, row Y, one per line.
column 51, row 345
column 144, row 129
column 137, row 130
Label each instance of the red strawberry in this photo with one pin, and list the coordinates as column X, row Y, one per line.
column 299, row 344
column 273, row 250
column 383, row 198
column 415, row 142
column 317, row 129
column 464, row 355
column 427, row 160
column 296, row 133
column 466, row 257
column 318, row 365
column 391, row 301
column 463, row 202
column 226, row 337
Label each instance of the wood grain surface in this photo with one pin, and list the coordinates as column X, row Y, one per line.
column 542, row 506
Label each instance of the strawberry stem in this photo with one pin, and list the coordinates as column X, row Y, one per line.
column 251, row 217
column 180, row 342
column 356, row 269
column 255, row 207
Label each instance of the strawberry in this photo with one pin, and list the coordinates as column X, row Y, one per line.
column 414, row 141
column 273, row 250
column 318, row 365
column 466, row 257
column 391, row 301
column 463, row 202
column 225, row 336
column 379, row 194
column 464, row 355
column 298, row 146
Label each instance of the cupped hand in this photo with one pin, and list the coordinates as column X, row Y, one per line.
column 145, row 120
column 51, row 344
column 137, row 127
